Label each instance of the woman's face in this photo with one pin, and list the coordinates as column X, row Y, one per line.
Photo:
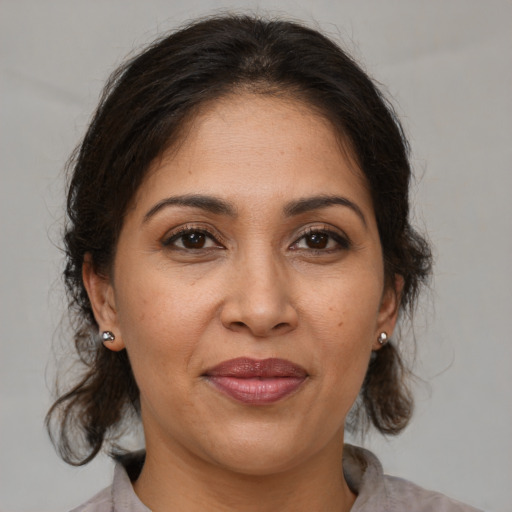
column 248, row 289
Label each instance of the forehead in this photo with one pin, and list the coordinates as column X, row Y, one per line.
column 258, row 147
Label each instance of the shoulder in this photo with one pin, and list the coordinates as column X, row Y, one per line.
column 120, row 496
column 377, row 491
column 404, row 493
column 101, row 502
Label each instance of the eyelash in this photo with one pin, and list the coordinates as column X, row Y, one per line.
column 342, row 241
column 168, row 241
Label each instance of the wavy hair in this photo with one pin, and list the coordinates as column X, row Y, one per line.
column 142, row 112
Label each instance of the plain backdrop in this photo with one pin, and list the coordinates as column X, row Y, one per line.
column 448, row 66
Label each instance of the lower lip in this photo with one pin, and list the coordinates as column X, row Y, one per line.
column 257, row 390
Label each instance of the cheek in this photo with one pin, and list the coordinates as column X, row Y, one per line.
column 343, row 321
column 153, row 299
column 345, row 307
column 163, row 319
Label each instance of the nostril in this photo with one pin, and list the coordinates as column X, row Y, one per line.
column 279, row 326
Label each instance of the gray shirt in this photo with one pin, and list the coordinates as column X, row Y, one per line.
column 376, row 492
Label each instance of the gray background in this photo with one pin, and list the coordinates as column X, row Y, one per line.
column 448, row 65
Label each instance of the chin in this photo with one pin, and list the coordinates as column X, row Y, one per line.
column 259, row 462
column 262, row 453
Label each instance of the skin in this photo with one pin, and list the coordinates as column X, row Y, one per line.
column 259, row 287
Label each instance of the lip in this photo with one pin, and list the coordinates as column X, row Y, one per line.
column 256, row 381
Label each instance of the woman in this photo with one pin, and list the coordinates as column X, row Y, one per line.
column 238, row 254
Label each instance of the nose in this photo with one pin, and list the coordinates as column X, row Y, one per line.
column 258, row 298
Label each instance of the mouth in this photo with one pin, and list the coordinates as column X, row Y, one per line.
column 256, row 381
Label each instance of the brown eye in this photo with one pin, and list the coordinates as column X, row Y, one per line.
column 190, row 239
column 193, row 240
column 321, row 240
column 317, row 240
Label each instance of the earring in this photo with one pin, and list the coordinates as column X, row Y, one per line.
column 383, row 338
column 107, row 336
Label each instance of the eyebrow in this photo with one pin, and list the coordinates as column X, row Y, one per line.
column 318, row 202
column 207, row 203
column 220, row 207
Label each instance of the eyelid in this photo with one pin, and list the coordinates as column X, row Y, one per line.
column 175, row 233
column 338, row 235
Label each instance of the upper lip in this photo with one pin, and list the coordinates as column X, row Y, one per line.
column 246, row 368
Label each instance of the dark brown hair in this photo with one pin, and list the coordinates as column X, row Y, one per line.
column 142, row 112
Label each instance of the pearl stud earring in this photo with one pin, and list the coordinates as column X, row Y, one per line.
column 383, row 338
column 107, row 336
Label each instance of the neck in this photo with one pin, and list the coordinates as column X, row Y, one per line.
column 177, row 480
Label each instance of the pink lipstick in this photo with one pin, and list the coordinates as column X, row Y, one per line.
column 254, row 381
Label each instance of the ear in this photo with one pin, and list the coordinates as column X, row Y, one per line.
column 389, row 308
column 101, row 295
